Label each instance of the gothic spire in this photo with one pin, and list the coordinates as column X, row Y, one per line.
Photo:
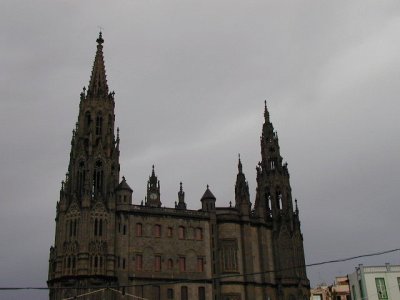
column 242, row 196
column 266, row 113
column 240, row 168
column 98, row 82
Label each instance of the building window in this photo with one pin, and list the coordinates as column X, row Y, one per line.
column 170, row 264
column 228, row 256
column 381, row 288
column 200, row 264
column 99, row 124
column 199, row 234
column 81, row 178
column 181, row 232
column 98, row 227
column 157, row 293
column 182, row 264
column 139, row 262
column 170, row 294
column 139, row 229
column 98, row 178
column 169, row 232
column 184, row 293
column 157, row 230
column 157, row 263
column 353, row 289
column 398, row 282
column 202, row 293
column 124, row 231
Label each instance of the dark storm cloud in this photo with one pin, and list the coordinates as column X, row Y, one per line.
column 190, row 80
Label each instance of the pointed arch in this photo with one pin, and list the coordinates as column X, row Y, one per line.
column 98, row 177
column 99, row 123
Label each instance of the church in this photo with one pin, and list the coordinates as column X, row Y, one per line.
column 107, row 247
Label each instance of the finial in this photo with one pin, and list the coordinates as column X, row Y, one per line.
column 123, row 178
column 152, row 170
column 297, row 208
column 62, row 185
column 100, row 39
column 181, row 189
column 240, row 165
column 207, row 186
column 117, row 133
column 230, row 203
column 266, row 113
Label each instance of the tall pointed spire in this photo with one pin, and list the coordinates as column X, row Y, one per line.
column 266, row 112
column 98, row 82
column 242, row 196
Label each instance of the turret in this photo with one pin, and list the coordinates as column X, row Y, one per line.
column 123, row 193
column 208, row 200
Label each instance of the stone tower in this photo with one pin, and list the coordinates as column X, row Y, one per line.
column 274, row 206
column 83, row 252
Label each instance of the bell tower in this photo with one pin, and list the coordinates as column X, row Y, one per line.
column 85, row 216
column 274, row 206
column 153, row 191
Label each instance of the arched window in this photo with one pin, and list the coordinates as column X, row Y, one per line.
column 110, row 122
column 279, row 203
column 99, row 123
column 170, row 264
column 157, row 230
column 80, row 185
column 139, row 229
column 100, row 227
column 184, row 293
column 181, row 232
column 199, row 234
column 95, row 227
column 88, row 121
column 98, row 177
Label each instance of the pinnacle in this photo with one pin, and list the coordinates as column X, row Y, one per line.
column 266, row 113
column 98, row 82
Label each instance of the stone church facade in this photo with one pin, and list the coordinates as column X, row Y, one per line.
column 107, row 247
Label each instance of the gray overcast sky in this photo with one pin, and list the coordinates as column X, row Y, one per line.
column 190, row 79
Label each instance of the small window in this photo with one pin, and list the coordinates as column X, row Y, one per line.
column 182, row 264
column 170, row 294
column 200, row 264
column 157, row 263
column 381, row 288
column 123, row 263
column 199, row 234
column 181, row 232
column 124, row 230
column 169, row 232
column 139, row 262
column 170, row 264
column 100, row 227
column 139, row 229
column 202, row 293
column 184, row 293
column 157, row 230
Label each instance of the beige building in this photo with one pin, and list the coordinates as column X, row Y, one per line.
column 107, row 247
column 340, row 290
